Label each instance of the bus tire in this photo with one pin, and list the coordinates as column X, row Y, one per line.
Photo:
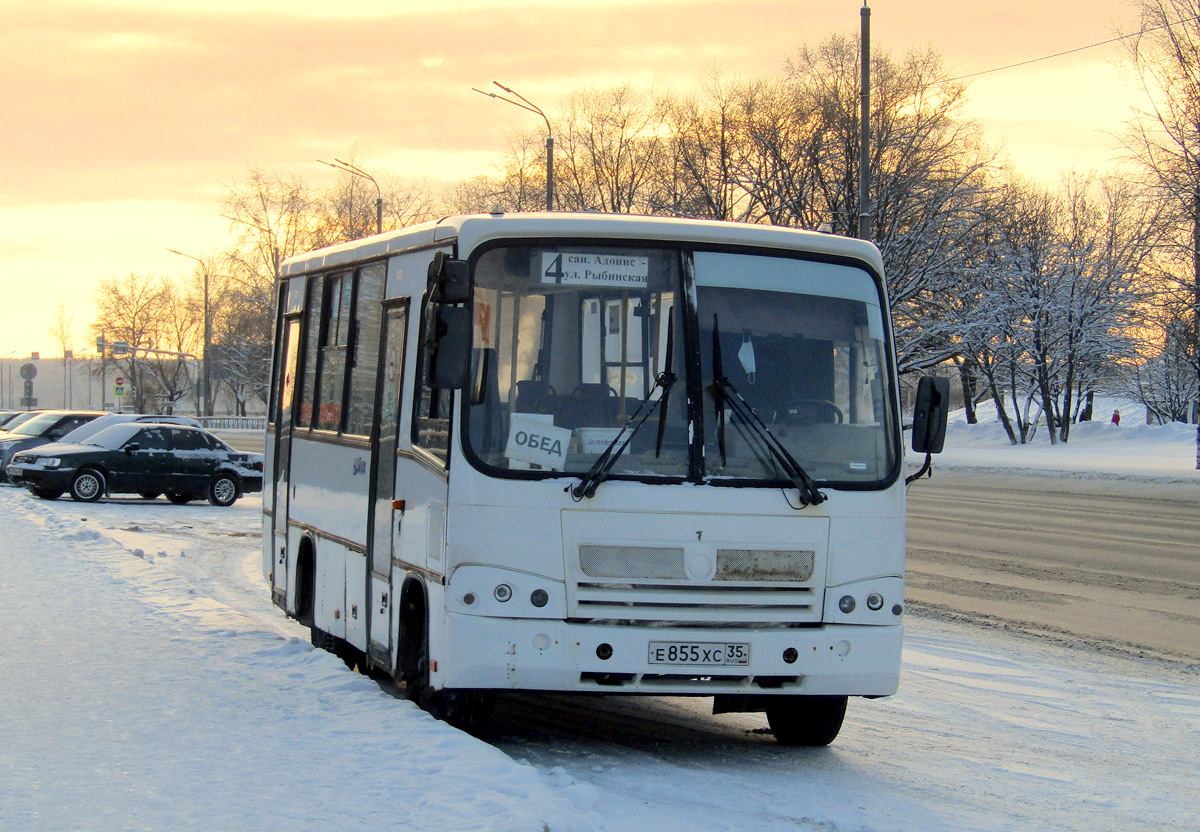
column 467, row 710
column 806, row 720
column 46, row 493
column 322, row 640
column 179, row 499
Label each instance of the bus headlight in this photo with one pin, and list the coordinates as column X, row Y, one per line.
column 502, row 592
column 847, row 604
column 874, row 601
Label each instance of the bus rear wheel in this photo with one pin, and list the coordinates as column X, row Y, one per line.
column 806, row 720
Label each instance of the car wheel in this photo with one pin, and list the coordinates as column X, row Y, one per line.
column 179, row 499
column 148, row 495
column 223, row 490
column 88, row 486
column 47, row 493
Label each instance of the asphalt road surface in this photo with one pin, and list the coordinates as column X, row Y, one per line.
column 1112, row 561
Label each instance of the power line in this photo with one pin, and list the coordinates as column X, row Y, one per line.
column 1071, row 51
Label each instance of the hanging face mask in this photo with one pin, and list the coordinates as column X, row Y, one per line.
column 746, row 357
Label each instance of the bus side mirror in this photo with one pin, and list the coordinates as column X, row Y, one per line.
column 449, row 279
column 451, row 368
column 930, row 415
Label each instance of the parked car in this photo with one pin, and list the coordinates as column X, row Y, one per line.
column 44, row 428
column 86, row 431
column 18, row 417
column 6, row 416
column 145, row 458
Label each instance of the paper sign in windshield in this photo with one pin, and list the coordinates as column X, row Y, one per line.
column 578, row 269
column 538, row 442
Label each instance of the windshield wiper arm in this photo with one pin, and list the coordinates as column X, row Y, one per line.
column 667, row 378
column 801, row 481
column 604, row 463
column 723, row 391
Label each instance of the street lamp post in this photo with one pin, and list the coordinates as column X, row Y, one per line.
column 354, row 170
column 526, row 104
column 204, row 383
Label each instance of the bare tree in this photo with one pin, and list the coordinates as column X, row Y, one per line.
column 608, row 152
column 130, row 309
column 928, row 166
column 1165, row 138
column 60, row 331
column 519, row 184
column 699, row 177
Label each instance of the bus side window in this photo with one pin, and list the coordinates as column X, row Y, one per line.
column 431, row 427
column 368, row 319
column 312, row 334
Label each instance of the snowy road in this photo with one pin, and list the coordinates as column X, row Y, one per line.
column 103, row 715
column 1111, row 560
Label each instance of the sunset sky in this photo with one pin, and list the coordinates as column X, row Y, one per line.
column 126, row 120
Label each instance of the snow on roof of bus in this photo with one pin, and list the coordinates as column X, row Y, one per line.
column 473, row 229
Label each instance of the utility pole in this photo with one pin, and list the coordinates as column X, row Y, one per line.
column 865, row 232
column 205, row 378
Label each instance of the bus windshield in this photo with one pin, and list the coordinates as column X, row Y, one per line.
column 802, row 342
column 570, row 340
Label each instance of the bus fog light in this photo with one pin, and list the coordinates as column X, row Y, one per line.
column 847, row 604
column 539, row 598
column 790, row 655
column 896, row 610
column 874, row 601
column 503, row 592
column 469, row 598
column 604, row 652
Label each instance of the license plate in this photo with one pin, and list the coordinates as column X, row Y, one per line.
column 699, row 653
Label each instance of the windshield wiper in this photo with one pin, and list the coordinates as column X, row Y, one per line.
column 604, row 463
column 723, row 392
column 668, row 378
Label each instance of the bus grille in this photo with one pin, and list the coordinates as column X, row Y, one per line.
column 694, row 601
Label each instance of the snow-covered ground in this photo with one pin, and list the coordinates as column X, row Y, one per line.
column 146, row 682
column 1096, row 449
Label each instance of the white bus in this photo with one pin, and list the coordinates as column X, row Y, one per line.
column 595, row 453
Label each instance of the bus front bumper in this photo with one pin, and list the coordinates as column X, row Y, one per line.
column 525, row 654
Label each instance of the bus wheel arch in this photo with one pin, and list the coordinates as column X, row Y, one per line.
column 306, row 581
column 412, row 640
column 467, row 710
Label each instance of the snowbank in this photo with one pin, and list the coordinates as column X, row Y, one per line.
column 129, row 701
column 1095, row 449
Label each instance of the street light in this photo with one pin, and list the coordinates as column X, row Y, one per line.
column 354, row 170
column 526, row 104
column 207, row 334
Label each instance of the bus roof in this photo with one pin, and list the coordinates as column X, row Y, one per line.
column 472, row 229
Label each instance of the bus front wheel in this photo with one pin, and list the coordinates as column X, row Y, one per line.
column 806, row 720
column 466, row 710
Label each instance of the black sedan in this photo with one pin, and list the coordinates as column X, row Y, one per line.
column 185, row 463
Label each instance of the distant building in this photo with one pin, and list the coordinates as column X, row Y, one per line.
column 77, row 384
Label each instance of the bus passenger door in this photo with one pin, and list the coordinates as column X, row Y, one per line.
column 283, row 445
column 385, row 515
